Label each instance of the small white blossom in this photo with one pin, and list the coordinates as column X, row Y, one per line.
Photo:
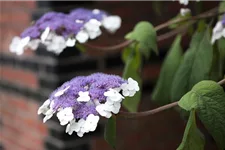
column 65, row 115
column 61, row 92
column 112, row 23
column 83, row 96
column 70, row 42
column 93, row 28
column 184, row 2
column 91, row 122
column 57, row 45
column 96, row 11
column 18, row 45
column 48, row 115
column 113, row 106
column 44, row 107
column 130, row 88
column 45, row 34
column 82, row 36
column 79, row 21
column 184, row 11
column 102, row 110
column 218, row 32
column 114, row 95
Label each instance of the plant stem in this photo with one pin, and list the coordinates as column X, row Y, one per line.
column 208, row 14
column 153, row 111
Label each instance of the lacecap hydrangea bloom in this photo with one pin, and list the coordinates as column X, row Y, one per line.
column 58, row 30
column 80, row 102
column 218, row 30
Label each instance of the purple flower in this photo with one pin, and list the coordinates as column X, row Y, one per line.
column 79, row 102
column 32, row 32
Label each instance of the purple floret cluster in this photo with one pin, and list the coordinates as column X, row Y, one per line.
column 58, row 30
column 80, row 102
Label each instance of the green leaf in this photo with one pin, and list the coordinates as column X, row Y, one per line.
column 172, row 61
column 208, row 99
column 216, row 70
column 193, row 138
column 131, row 69
column 221, row 48
column 195, row 66
column 80, row 47
column 110, row 131
column 145, row 34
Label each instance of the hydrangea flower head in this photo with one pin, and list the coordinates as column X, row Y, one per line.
column 58, row 30
column 218, row 30
column 80, row 102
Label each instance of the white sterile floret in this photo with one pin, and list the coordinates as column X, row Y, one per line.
column 130, row 88
column 91, row 122
column 70, row 42
column 113, row 106
column 184, row 11
column 93, row 28
column 102, row 109
column 113, row 95
column 96, row 11
column 83, row 96
column 80, row 129
column 61, row 92
column 82, row 36
column 45, row 34
column 112, row 23
column 44, row 107
column 49, row 113
column 57, row 45
column 65, row 115
column 17, row 45
column 218, row 32
column 185, row 2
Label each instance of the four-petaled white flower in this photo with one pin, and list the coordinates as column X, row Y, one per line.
column 17, row 45
column 112, row 23
column 83, row 96
column 44, row 107
column 65, row 115
column 130, row 88
column 113, row 106
column 103, row 110
column 91, row 122
column 61, row 92
column 82, row 36
column 93, row 28
column 218, row 32
column 70, row 42
column 113, row 95
column 57, row 44
column 49, row 113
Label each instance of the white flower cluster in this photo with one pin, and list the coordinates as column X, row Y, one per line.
column 218, row 32
column 185, row 2
column 57, row 43
column 114, row 98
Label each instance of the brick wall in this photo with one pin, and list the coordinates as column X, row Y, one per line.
column 21, row 128
column 26, row 81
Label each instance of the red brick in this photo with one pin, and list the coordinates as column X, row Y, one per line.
column 19, row 76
